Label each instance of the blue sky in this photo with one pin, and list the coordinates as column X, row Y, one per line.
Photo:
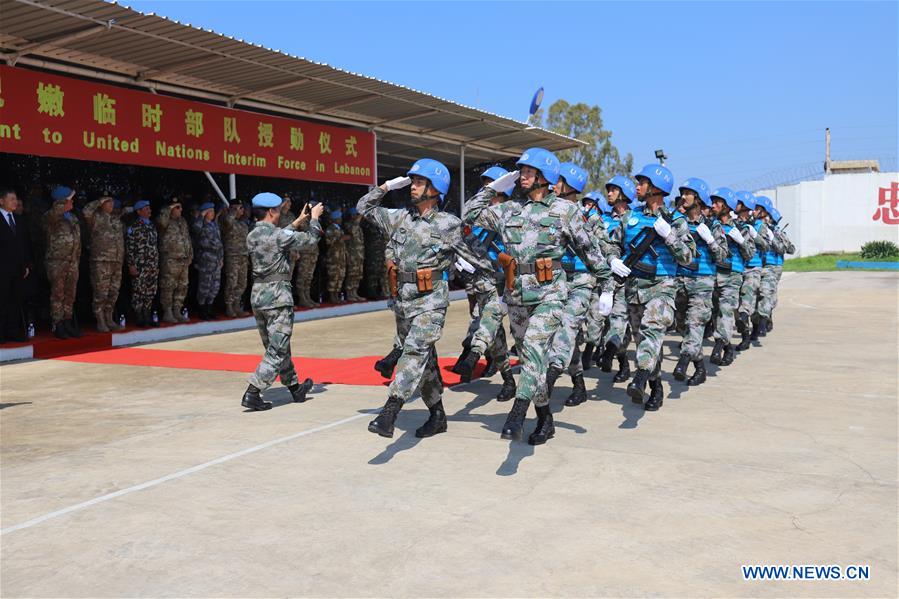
column 734, row 92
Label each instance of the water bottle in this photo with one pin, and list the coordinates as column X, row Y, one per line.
column 31, row 330
column 185, row 313
column 122, row 320
column 155, row 317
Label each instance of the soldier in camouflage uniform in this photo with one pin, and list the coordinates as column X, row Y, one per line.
column 335, row 256
column 425, row 242
column 271, row 249
column 650, row 286
column 752, row 276
column 176, row 253
column 285, row 218
column 142, row 253
column 355, row 256
column 234, row 239
column 783, row 246
column 535, row 233
column 107, row 235
column 63, row 252
column 698, row 278
column 304, row 273
column 769, row 277
column 210, row 257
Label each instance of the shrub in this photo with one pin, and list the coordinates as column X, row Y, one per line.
column 880, row 249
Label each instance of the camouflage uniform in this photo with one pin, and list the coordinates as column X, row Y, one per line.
column 375, row 261
column 335, row 260
column 234, row 239
column 355, row 258
column 143, row 254
column 728, row 285
column 106, row 258
column 271, row 250
column 772, row 272
column 752, row 276
column 175, row 255
column 618, row 331
column 210, row 256
column 285, row 218
column 486, row 335
column 63, row 252
column 305, row 271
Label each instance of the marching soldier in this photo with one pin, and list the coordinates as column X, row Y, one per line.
column 176, row 253
column 234, row 239
column 142, row 254
column 106, row 258
column 768, row 283
column 784, row 246
column 752, row 275
column 63, row 252
column 210, row 256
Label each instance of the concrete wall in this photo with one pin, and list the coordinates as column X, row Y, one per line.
column 836, row 213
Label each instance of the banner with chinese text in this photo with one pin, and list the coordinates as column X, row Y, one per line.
column 52, row 115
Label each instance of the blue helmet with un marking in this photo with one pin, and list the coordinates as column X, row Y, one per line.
column 727, row 194
column 604, row 206
column 626, row 185
column 494, row 173
column 765, row 202
column 747, row 198
column 266, row 200
column 659, row 175
column 575, row 176
column 775, row 215
column 542, row 160
column 699, row 186
column 434, row 171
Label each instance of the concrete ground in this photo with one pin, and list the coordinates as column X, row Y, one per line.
column 789, row 456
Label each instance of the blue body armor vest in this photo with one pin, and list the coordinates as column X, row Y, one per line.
column 756, row 260
column 703, row 265
column 663, row 262
column 736, row 258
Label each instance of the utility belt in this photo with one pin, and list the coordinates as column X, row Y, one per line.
column 542, row 268
column 423, row 278
column 275, row 278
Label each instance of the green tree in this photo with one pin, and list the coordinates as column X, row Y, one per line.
column 599, row 157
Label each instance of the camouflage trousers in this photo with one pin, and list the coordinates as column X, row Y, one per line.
column 63, row 276
column 275, row 326
column 106, row 278
column 209, row 281
column 540, row 322
column 305, row 270
column 564, row 350
column 767, row 291
column 173, row 277
column 417, row 368
column 699, row 292
column 488, row 337
column 353, row 276
column 651, row 311
column 143, row 286
column 235, row 278
column 335, row 263
column 518, row 321
column 595, row 323
column 728, row 285
column 749, row 291
column 619, row 324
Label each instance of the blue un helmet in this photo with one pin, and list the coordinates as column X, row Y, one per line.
column 434, row 171
column 775, row 215
column 604, row 206
column 494, row 173
column 659, row 175
column 727, row 194
column 626, row 185
column 699, row 186
column 542, row 160
column 765, row 202
column 575, row 176
column 747, row 198
column 591, row 197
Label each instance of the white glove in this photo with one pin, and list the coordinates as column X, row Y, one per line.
column 753, row 233
column 734, row 215
column 705, row 233
column 662, row 227
column 398, row 183
column 504, row 183
column 463, row 264
column 736, row 236
column 619, row 268
column 605, row 303
column 769, row 234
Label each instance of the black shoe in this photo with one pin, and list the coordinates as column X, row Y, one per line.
column 655, row 396
column 717, row 352
column 435, row 424
column 460, row 360
column 699, row 376
column 680, row 371
column 490, row 369
column 545, row 430
column 383, row 423
column 299, row 390
column 745, row 343
column 509, row 388
column 515, row 420
column 385, row 365
column 552, row 375
column 761, row 328
column 587, row 356
column 71, row 328
column 466, row 368
column 579, row 394
column 60, row 331
column 253, row 400
column 754, row 336
column 637, row 388
column 729, row 355
column 604, row 361
column 742, row 322
column 624, row 369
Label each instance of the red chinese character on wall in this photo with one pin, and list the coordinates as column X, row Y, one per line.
column 888, row 205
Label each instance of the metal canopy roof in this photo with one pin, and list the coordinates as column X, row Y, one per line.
column 105, row 40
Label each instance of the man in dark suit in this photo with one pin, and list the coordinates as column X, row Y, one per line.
column 14, row 267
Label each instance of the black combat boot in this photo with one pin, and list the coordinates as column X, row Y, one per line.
column 587, row 356
column 515, row 420
column 435, row 424
column 742, row 322
column 490, row 369
column 466, row 349
column 299, row 390
column 509, row 388
column 699, row 375
column 552, row 375
column 637, row 387
column 680, row 371
column 624, row 369
column 745, row 342
column 717, row 352
column 754, row 336
column 545, row 430
column 73, row 329
column 253, row 400
column 59, row 330
column 761, row 327
column 579, row 394
column 466, row 368
column 383, row 423
column 385, row 365
column 771, row 323
column 604, row 361
column 655, row 396
column 729, row 355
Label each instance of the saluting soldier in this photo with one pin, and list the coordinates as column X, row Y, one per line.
column 106, row 258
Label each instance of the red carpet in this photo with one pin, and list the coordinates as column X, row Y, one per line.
column 349, row 371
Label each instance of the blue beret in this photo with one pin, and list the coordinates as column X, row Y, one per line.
column 61, row 192
column 266, row 200
column 353, row 211
column 116, row 204
column 141, row 204
column 336, row 214
column 206, row 206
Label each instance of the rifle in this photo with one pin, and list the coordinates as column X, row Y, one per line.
column 641, row 244
column 392, row 278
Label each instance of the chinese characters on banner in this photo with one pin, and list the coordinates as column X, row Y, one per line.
column 51, row 115
column 888, row 205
